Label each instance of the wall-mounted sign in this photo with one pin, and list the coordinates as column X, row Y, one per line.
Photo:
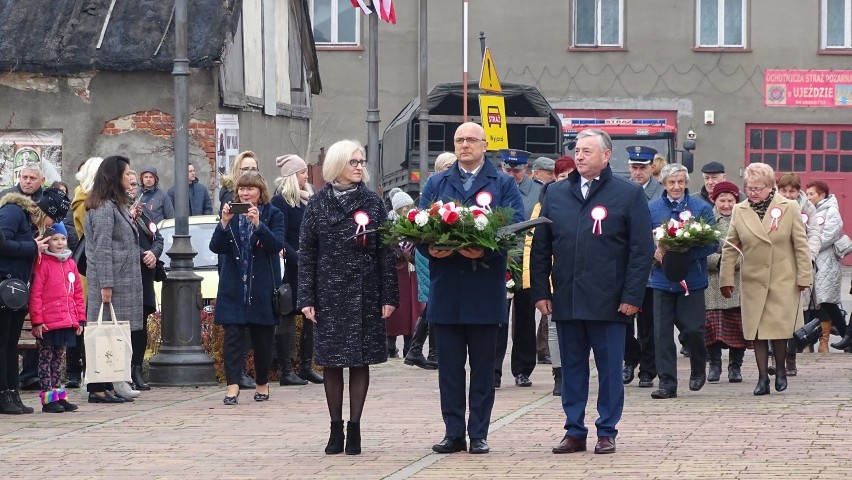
column 19, row 147
column 807, row 88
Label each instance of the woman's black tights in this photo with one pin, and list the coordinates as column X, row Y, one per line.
column 761, row 354
column 359, row 382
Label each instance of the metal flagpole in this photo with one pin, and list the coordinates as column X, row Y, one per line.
column 373, row 95
column 464, row 61
column 424, row 108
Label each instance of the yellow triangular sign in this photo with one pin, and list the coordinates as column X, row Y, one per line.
column 488, row 80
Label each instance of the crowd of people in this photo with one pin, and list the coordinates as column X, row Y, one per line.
column 598, row 279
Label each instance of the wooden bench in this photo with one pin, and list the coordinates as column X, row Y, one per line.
column 27, row 341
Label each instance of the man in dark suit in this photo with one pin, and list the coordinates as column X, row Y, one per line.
column 598, row 254
column 467, row 304
column 641, row 352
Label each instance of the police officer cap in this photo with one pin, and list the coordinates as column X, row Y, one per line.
column 514, row 156
column 713, row 167
column 640, row 154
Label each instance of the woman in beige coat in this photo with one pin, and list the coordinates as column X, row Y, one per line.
column 776, row 266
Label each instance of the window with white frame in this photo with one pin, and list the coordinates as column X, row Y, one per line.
column 836, row 24
column 598, row 23
column 335, row 22
column 720, row 23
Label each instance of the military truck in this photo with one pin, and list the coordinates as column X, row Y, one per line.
column 531, row 124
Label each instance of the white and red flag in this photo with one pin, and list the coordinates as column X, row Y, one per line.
column 383, row 7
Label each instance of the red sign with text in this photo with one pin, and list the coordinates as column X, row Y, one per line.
column 807, row 88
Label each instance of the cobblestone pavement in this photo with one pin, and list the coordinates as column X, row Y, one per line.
column 723, row 431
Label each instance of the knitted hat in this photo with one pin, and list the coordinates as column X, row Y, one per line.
column 725, row 187
column 54, row 203
column 290, row 164
column 400, row 199
column 58, row 228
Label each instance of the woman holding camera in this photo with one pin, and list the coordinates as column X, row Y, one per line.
column 347, row 285
column 776, row 265
column 248, row 239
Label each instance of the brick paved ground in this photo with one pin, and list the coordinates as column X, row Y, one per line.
column 723, row 431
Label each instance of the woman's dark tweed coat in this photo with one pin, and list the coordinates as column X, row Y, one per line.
column 346, row 281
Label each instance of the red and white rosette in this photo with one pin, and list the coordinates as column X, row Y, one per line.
column 484, row 199
column 820, row 221
column 805, row 218
column 598, row 215
column 71, row 280
column 685, row 288
column 152, row 227
column 361, row 219
column 775, row 213
column 685, row 215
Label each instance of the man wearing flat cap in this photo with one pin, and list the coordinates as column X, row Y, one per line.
column 523, row 358
column 713, row 172
column 640, row 352
column 542, row 170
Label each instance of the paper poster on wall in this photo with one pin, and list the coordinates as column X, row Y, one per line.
column 19, row 147
column 227, row 141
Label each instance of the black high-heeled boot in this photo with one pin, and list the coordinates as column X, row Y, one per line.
column 353, row 438
column 846, row 342
column 284, row 345
column 762, row 387
column 138, row 379
column 335, row 438
column 306, row 343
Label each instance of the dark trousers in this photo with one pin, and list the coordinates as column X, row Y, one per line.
column 639, row 349
column 11, row 324
column 606, row 339
column 687, row 313
column 139, row 338
column 75, row 358
column 29, row 365
column 456, row 345
column 234, row 353
column 523, row 358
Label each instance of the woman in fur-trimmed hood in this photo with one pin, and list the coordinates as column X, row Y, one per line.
column 22, row 223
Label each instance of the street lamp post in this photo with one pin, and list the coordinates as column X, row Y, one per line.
column 181, row 359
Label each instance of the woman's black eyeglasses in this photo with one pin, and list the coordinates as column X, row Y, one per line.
column 355, row 162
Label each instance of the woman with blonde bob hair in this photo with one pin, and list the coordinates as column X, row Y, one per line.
column 768, row 236
column 347, row 285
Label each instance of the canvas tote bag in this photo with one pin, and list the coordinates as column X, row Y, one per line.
column 108, row 350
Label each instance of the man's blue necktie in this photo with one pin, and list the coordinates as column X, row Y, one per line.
column 467, row 180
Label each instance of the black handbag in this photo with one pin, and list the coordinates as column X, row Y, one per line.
column 79, row 256
column 160, row 271
column 282, row 296
column 14, row 294
column 808, row 334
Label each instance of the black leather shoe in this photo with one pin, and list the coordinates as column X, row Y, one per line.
column 246, row 382
column 662, row 393
column 68, row 406
column 762, row 387
column 106, row 398
column 231, row 400
column 684, row 351
column 543, row 359
column 646, row 381
column 605, row 445
column 308, row 374
column 261, row 397
column 497, row 381
column 478, row 445
column 627, row 372
column 570, row 444
column 696, row 382
column 714, row 373
column 52, row 407
column 138, row 378
column 523, row 381
column 735, row 375
column 450, row 445
column 781, row 381
column 16, row 397
column 418, row 360
column 290, row 378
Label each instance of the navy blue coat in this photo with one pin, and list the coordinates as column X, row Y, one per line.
column 231, row 306
column 199, row 199
column 18, row 251
column 663, row 210
column 592, row 274
column 458, row 294
column 292, row 226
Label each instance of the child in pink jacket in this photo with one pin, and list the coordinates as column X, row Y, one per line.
column 57, row 310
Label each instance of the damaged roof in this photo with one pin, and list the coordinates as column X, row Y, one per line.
column 61, row 37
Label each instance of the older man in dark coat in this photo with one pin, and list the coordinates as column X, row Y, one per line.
column 598, row 253
column 467, row 304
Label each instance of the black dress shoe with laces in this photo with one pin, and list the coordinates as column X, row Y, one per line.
column 627, row 373
column 523, row 381
column 478, row 445
column 450, row 445
column 646, row 381
column 662, row 393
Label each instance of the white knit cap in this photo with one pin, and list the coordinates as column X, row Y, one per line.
column 400, row 199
